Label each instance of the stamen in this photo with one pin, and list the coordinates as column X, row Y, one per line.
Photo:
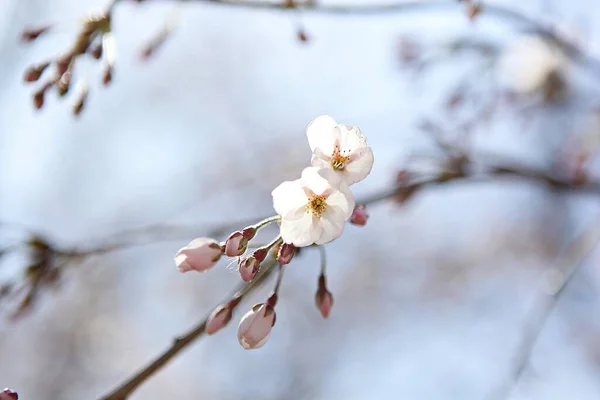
column 339, row 159
column 317, row 204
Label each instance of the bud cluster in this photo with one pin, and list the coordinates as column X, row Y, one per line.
column 94, row 39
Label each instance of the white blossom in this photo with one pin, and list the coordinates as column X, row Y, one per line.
column 341, row 148
column 314, row 208
column 527, row 63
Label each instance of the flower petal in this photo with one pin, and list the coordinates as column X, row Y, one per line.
column 302, row 231
column 332, row 221
column 360, row 165
column 351, row 138
column 288, row 197
column 316, row 179
column 322, row 134
column 342, row 200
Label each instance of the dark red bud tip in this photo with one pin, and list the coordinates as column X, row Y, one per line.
column 324, row 301
column 260, row 254
column 34, row 72
column 286, row 253
column 249, row 232
column 29, row 35
column 302, row 36
column 62, row 64
column 107, row 76
column 8, row 394
column 359, row 215
column 38, row 99
column 96, row 51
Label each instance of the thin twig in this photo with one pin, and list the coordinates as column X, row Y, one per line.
column 568, row 264
column 124, row 390
column 370, row 8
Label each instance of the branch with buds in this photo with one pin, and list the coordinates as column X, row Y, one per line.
column 95, row 37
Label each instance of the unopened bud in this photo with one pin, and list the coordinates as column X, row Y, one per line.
column 38, row 98
column 323, row 298
column 200, row 255
column 96, row 51
column 80, row 102
column 62, row 64
column 236, row 244
column 359, row 215
column 29, row 35
column 155, row 44
column 302, row 36
column 286, row 253
column 249, row 267
column 255, row 327
column 64, row 83
column 473, row 10
column 34, row 72
column 107, row 75
column 8, row 394
column 218, row 319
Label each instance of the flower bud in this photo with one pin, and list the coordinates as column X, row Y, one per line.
column 218, row 319
column 96, row 51
column 359, row 215
column 249, row 267
column 323, row 298
column 286, row 253
column 255, row 327
column 236, row 244
column 200, row 254
column 34, row 72
column 8, row 394
column 29, row 35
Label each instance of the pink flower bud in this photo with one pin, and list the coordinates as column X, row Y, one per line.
column 359, row 215
column 236, row 244
column 286, row 253
column 255, row 326
column 8, row 394
column 323, row 298
column 218, row 319
column 200, row 255
column 249, row 267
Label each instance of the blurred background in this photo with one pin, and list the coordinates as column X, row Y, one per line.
column 433, row 297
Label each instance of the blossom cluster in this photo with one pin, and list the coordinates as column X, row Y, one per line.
column 311, row 210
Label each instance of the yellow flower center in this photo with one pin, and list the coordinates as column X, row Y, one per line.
column 339, row 159
column 317, row 204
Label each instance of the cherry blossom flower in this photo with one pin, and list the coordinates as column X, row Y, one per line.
column 527, row 64
column 339, row 147
column 200, row 254
column 313, row 209
column 255, row 327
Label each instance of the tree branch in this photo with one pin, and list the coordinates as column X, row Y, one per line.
column 492, row 10
column 124, row 390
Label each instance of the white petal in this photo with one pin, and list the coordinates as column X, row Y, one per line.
column 302, row 231
column 360, row 166
column 322, row 134
column 342, row 200
column 332, row 221
column 314, row 179
column 351, row 138
column 288, row 197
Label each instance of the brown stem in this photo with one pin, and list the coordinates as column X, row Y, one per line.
column 492, row 10
column 181, row 342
